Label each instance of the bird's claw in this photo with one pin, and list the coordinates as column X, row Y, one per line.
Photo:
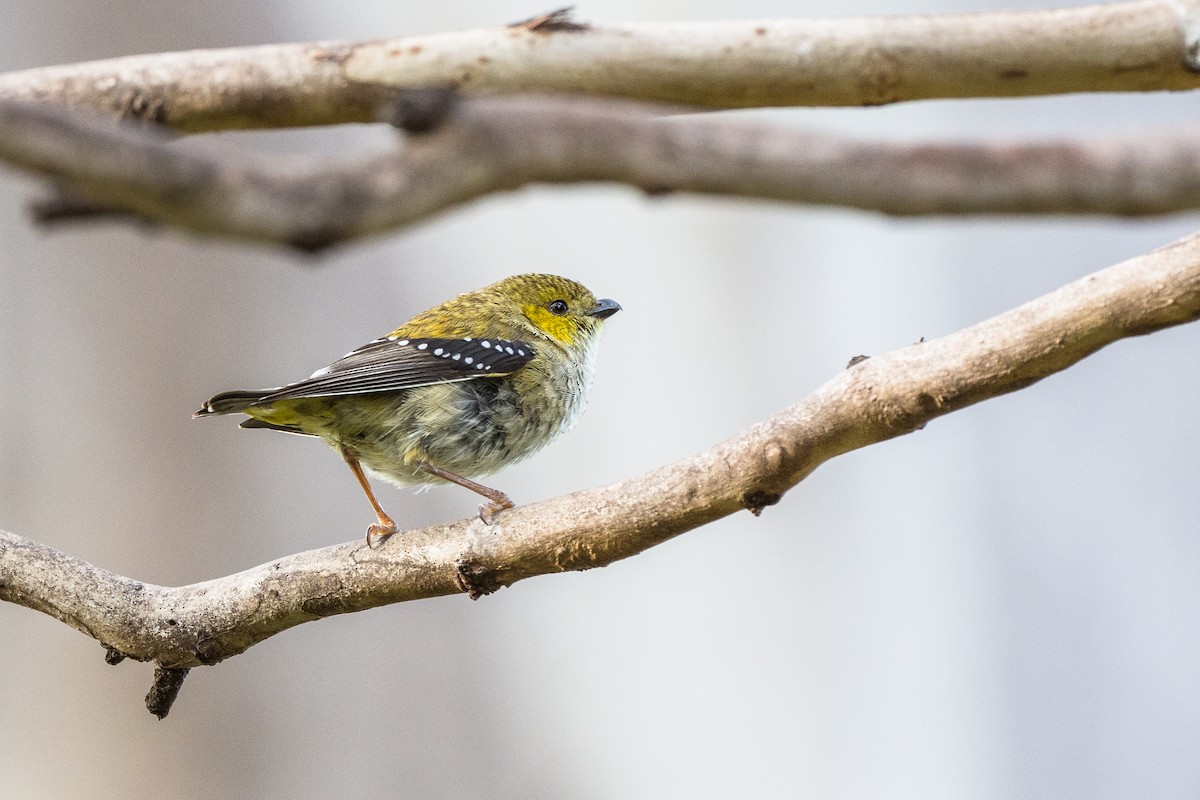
column 491, row 509
column 377, row 533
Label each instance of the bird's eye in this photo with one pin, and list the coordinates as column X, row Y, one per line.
column 558, row 307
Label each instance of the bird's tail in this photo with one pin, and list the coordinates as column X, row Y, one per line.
column 231, row 402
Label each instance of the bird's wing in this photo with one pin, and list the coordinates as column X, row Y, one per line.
column 389, row 365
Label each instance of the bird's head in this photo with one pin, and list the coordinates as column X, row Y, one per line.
column 529, row 307
column 558, row 309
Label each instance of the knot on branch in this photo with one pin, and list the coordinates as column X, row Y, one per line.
column 475, row 578
column 558, row 20
column 164, row 690
column 143, row 105
column 66, row 207
column 856, row 360
column 419, row 111
column 1191, row 41
column 315, row 240
column 756, row 501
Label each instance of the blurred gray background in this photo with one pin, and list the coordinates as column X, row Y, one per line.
column 1004, row 605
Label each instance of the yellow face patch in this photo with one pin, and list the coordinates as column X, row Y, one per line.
column 560, row 328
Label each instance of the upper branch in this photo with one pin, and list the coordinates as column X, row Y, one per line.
column 1146, row 45
column 875, row 400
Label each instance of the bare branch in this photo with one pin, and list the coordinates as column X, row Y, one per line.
column 484, row 145
column 1148, row 45
column 874, row 400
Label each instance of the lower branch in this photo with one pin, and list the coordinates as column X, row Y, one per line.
column 875, row 399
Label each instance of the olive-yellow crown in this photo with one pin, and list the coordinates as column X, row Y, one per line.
column 546, row 306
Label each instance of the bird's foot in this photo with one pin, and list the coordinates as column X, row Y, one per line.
column 492, row 508
column 377, row 533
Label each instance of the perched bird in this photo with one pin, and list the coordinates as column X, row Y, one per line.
column 459, row 391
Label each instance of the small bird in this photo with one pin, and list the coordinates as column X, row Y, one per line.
column 459, row 391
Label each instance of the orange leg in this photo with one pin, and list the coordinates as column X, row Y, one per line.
column 497, row 500
column 385, row 527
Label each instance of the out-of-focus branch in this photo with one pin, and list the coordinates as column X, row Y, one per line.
column 871, row 401
column 1147, row 45
column 481, row 145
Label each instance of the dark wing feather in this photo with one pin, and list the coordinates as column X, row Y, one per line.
column 258, row 423
column 390, row 365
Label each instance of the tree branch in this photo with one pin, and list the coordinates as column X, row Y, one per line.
column 486, row 145
column 1136, row 46
column 872, row 401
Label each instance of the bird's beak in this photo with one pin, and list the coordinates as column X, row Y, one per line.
column 604, row 309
